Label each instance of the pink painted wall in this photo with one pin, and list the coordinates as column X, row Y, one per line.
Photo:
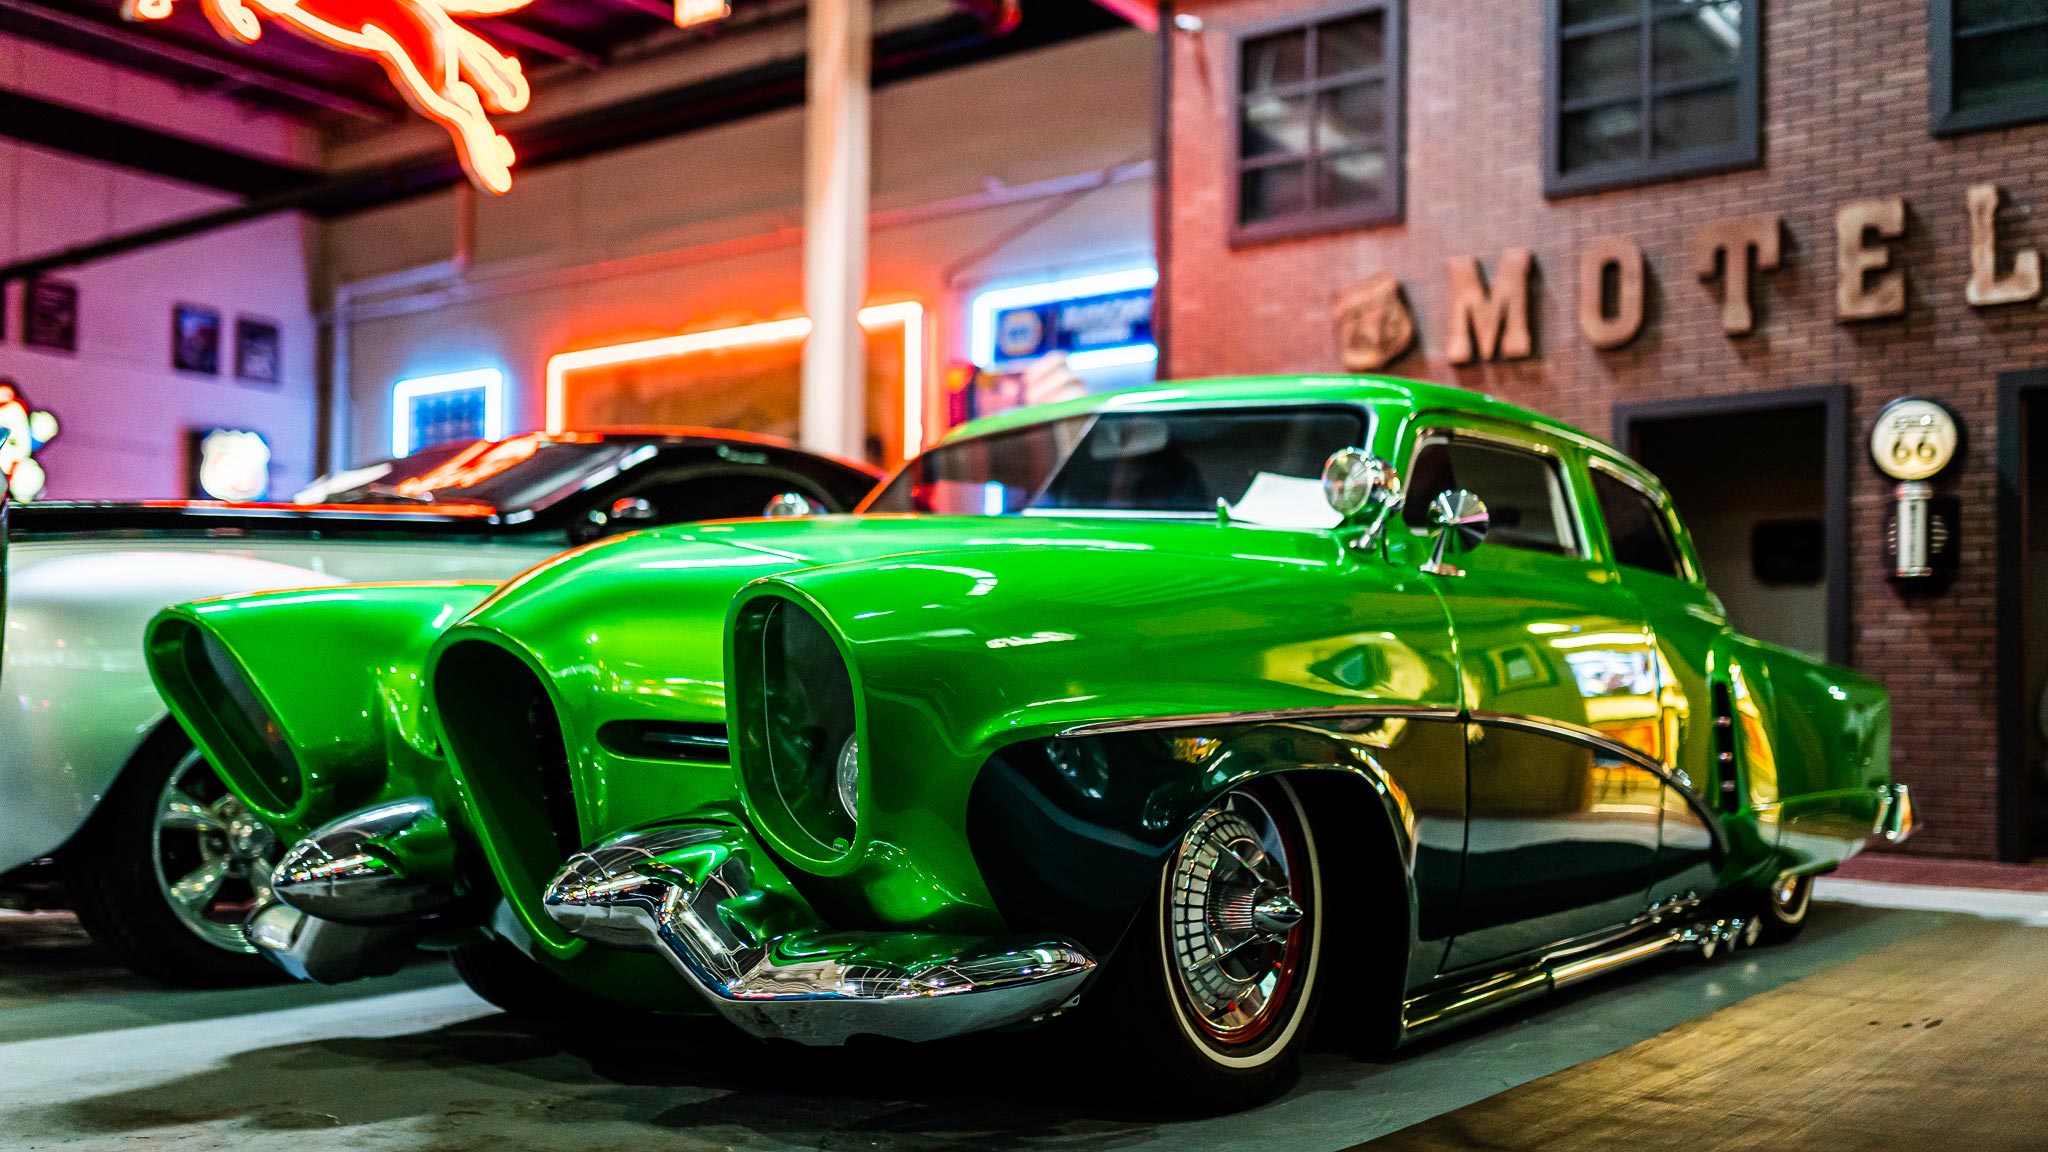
column 123, row 409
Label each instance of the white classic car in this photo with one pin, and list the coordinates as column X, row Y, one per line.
column 104, row 804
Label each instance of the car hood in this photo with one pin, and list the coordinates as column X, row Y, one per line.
column 640, row 620
column 822, row 540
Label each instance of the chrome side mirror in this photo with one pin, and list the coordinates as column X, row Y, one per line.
column 788, row 504
column 1455, row 514
column 1363, row 489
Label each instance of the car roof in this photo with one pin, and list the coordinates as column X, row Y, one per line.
column 1246, row 391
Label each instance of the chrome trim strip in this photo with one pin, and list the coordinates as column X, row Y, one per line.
column 1541, row 725
column 802, row 982
column 1263, row 716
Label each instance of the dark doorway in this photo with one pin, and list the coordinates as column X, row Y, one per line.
column 2023, row 615
column 1762, row 483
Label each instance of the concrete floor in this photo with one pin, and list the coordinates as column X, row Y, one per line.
column 91, row 1058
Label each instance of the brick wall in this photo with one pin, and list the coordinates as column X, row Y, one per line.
column 1844, row 117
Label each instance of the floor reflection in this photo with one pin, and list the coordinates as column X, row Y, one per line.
column 95, row 1059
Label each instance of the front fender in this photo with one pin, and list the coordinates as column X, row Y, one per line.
column 957, row 656
column 75, row 665
column 308, row 702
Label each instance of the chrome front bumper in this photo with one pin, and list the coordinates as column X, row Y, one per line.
column 758, row 955
column 352, row 899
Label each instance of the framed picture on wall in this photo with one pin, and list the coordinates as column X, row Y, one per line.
column 256, row 350
column 195, row 339
column 49, row 315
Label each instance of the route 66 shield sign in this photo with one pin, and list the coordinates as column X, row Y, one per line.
column 1914, row 439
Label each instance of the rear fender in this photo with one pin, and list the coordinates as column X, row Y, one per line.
column 1829, row 732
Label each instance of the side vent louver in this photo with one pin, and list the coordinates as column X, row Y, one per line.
column 1728, row 786
column 697, row 743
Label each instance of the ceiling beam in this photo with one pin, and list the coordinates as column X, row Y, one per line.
column 81, row 34
column 900, row 55
column 519, row 35
column 62, row 128
column 654, row 8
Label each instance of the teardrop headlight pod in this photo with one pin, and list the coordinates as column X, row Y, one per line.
column 801, row 786
column 849, row 778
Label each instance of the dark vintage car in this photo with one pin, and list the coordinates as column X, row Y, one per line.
column 105, row 806
column 1185, row 712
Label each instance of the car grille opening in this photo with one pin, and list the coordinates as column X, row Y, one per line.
column 505, row 739
column 240, row 727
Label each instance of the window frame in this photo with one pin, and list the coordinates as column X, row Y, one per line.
column 1943, row 117
column 1746, row 151
column 1581, row 548
column 1392, row 210
column 1688, row 571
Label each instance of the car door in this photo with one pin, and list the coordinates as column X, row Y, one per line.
column 1647, row 549
column 1559, row 675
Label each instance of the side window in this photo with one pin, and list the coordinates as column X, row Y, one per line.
column 1524, row 492
column 719, row 495
column 1635, row 528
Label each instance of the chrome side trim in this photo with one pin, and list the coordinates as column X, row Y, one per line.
column 1264, row 716
column 1537, row 724
column 342, row 873
column 801, row 983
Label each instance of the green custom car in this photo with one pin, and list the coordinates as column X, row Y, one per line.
column 1189, row 714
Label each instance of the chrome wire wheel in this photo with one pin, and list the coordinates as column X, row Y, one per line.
column 212, row 856
column 1238, row 907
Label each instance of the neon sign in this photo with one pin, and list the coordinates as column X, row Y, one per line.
column 1100, row 321
column 23, row 429
column 450, row 74
column 429, row 410
column 909, row 314
column 232, row 464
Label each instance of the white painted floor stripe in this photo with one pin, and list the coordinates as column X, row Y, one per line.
column 2030, row 908
column 47, row 1071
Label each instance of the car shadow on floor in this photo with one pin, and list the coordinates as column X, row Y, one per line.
column 477, row 1081
column 627, row 1080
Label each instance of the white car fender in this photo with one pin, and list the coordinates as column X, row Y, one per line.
column 76, row 699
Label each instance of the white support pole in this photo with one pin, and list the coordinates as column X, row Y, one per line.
column 834, row 399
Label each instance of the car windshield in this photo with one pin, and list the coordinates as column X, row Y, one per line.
column 1264, row 464
column 507, row 475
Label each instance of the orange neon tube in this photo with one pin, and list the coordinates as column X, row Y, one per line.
column 909, row 314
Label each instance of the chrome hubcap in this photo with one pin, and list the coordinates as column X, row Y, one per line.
column 212, row 856
column 1233, row 919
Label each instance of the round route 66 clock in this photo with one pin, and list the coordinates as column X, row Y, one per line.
column 1914, row 439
